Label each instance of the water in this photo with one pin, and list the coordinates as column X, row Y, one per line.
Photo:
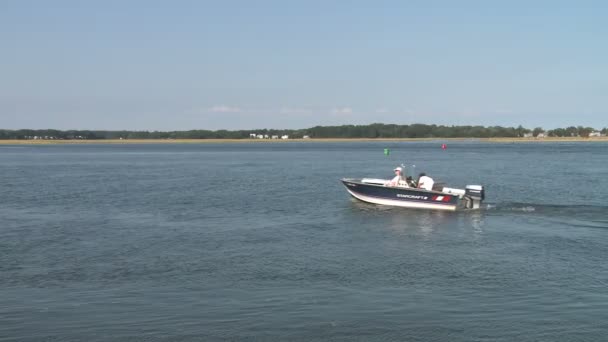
column 260, row 242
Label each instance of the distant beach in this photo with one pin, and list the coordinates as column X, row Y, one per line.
column 311, row 140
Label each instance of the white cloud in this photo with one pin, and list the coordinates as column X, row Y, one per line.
column 224, row 109
column 469, row 113
column 342, row 111
column 503, row 111
column 295, row 111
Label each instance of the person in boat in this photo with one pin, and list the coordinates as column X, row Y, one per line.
column 410, row 181
column 398, row 179
column 425, row 182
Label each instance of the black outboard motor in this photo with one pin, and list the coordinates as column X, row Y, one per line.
column 474, row 195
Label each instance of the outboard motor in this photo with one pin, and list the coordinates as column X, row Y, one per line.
column 474, row 195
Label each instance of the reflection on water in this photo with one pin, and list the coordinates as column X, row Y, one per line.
column 406, row 220
column 476, row 220
column 425, row 222
column 358, row 206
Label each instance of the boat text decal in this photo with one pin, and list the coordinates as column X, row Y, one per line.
column 413, row 196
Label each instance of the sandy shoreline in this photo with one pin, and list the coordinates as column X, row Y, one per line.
column 216, row 141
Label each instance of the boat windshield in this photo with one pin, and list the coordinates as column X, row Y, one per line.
column 410, row 171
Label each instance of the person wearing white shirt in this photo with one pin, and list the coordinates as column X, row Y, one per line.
column 425, row 182
column 398, row 179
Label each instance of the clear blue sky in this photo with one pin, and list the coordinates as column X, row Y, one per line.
column 165, row 65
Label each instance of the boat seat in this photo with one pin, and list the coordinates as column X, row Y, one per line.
column 438, row 186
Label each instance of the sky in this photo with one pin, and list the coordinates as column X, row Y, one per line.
column 181, row 65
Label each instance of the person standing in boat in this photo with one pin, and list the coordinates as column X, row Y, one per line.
column 425, row 182
column 398, row 179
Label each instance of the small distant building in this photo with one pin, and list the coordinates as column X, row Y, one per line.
column 285, row 137
column 266, row 136
column 259, row 136
column 595, row 134
column 275, row 137
column 306, row 137
column 541, row 135
column 528, row 135
column 252, row 135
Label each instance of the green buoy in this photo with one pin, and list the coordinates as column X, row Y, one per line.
column 387, row 151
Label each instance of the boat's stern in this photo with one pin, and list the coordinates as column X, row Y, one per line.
column 474, row 196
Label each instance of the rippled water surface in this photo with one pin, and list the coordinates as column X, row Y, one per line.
column 261, row 242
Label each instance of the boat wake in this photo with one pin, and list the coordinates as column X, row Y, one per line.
column 575, row 216
column 510, row 207
column 584, row 212
column 555, row 210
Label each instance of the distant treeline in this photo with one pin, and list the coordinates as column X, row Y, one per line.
column 345, row 131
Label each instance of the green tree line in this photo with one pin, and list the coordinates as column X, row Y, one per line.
column 376, row 130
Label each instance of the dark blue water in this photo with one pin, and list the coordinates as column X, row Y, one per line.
column 260, row 242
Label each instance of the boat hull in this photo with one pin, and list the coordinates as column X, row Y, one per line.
column 401, row 197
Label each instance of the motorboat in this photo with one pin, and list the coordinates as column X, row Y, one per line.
column 406, row 194
column 375, row 191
